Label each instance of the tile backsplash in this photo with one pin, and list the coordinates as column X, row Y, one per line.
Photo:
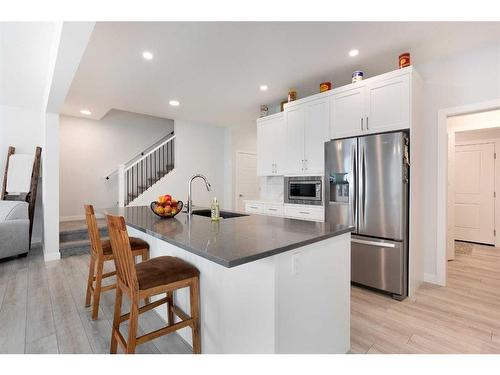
column 272, row 188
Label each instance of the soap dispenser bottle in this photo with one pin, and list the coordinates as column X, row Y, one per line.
column 215, row 210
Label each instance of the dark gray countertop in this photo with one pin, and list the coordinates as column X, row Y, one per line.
column 230, row 242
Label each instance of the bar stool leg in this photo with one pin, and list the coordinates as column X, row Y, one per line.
column 116, row 320
column 132, row 326
column 97, row 289
column 170, row 312
column 90, row 280
column 194, row 296
column 144, row 257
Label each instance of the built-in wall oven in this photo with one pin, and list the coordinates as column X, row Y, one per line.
column 304, row 190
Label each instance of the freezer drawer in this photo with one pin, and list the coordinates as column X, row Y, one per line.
column 379, row 264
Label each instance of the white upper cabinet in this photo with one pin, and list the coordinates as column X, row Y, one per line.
column 315, row 135
column 376, row 105
column 306, row 133
column 270, row 145
column 347, row 112
column 294, row 140
column 388, row 104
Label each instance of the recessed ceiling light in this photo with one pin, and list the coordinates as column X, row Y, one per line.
column 353, row 52
column 263, row 87
column 85, row 112
column 147, row 55
column 174, row 103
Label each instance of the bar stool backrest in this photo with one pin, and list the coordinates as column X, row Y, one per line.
column 122, row 253
column 95, row 237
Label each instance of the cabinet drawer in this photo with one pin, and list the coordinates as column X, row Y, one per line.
column 273, row 210
column 254, row 208
column 305, row 213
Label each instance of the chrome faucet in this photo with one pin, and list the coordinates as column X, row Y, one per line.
column 189, row 208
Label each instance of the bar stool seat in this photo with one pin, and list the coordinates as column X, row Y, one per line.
column 163, row 270
column 136, row 244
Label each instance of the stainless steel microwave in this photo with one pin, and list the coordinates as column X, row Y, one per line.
column 304, row 190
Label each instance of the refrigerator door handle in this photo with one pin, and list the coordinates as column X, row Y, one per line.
column 352, row 186
column 362, row 186
column 374, row 243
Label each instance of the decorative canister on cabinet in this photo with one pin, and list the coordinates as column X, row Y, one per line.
column 357, row 76
column 264, row 110
column 292, row 95
column 404, row 60
column 325, row 86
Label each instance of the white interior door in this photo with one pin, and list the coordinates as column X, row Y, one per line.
column 474, row 193
column 247, row 182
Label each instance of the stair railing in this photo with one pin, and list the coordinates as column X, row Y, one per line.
column 136, row 178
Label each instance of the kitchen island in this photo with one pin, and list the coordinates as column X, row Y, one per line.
column 267, row 284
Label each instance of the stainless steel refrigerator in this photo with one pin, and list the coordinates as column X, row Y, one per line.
column 366, row 186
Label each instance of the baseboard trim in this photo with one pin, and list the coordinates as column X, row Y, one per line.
column 78, row 217
column 49, row 257
column 431, row 278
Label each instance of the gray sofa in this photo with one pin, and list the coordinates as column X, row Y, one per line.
column 14, row 228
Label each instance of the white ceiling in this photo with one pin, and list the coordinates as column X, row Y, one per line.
column 24, row 62
column 215, row 69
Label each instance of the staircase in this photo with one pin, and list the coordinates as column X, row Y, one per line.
column 134, row 178
column 74, row 238
column 137, row 177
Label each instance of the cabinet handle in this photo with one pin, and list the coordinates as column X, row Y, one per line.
column 304, row 212
column 367, row 127
column 362, row 123
column 272, row 209
column 253, row 207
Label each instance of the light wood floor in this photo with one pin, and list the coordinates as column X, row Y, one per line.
column 41, row 311
column 463, row 317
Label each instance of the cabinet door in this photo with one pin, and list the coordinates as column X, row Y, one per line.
column 347, row 112
column 277, row 145
column 294, row 140
column 264, row 148
column 254, row 208
column 388, row 104
column 315, row 136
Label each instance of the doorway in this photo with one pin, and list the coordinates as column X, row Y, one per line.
column 473, row 212
column 246, row 181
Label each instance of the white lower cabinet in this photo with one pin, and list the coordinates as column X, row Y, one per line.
column 292, row 211
column 254, row 208
column 272, row 209
column 313, row 213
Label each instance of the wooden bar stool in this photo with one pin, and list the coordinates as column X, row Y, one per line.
column 161, row 275
column 100, row 253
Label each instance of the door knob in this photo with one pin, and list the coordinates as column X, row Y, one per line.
column 240, row 195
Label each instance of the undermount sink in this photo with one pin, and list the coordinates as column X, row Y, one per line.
column 223, row 214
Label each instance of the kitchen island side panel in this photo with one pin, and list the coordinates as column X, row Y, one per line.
column 313, row 298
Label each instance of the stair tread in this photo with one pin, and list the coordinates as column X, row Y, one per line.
column 77, row 243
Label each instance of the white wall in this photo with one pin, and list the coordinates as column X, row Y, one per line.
column 199, row 148
column 22, row 128
column 89, row 149
column 463, row 79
